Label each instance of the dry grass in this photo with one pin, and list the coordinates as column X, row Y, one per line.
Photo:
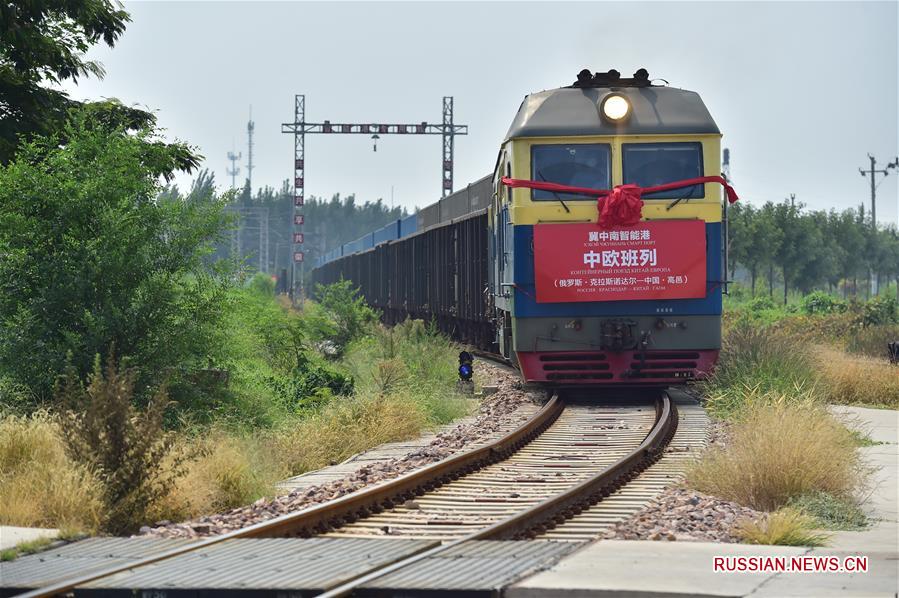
column 871, row 341
column 780, row 449
column 346, row 427
column 39, row 485
column 226, row 472
column 848, row 379
column 786, row 527
column 236, row 470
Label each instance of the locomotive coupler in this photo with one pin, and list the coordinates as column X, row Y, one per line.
column 617, row 335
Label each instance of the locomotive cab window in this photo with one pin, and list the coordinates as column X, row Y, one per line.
column 576, row 165
column 650, row 164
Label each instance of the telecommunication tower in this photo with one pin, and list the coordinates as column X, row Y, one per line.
column 251, row 126
column 235, row 169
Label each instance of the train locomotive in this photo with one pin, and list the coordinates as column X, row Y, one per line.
column 594, row 254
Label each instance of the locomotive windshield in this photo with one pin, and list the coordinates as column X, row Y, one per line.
column 576, row 165
column 649, row 164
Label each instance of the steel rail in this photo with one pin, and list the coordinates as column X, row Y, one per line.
column 555, row 509
column 319, row 518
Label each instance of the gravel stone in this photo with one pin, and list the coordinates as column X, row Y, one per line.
column 684, row 515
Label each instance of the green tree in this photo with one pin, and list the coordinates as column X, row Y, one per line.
column 90, row 259
column 42, row 43
column 801, row 243
column 756, row 239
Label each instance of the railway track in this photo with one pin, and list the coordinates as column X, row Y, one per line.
column 582, row 440
column 560, row 463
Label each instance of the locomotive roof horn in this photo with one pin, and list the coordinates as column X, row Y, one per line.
column 611, row 78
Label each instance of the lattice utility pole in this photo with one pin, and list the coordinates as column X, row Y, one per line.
column 449, row 133
column 299, row 128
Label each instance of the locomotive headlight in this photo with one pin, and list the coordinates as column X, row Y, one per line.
column 615, row 107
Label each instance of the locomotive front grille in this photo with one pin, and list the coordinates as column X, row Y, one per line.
column 573, row 357
column 576, row 366
column 663, row 364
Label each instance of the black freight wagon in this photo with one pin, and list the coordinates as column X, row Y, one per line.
column 437, row 274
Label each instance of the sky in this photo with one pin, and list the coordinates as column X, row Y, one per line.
column 802, row 91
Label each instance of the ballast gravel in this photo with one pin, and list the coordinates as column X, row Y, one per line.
column 499, row 410
column 680, row 514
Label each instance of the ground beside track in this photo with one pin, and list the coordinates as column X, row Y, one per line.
column 498, row 413
column 619, row 568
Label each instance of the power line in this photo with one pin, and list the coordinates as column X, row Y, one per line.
column 873, row 172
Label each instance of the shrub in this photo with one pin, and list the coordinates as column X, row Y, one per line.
column 760, row 303
column 831, row 512
column 347, row 310
column 847, row 379
column 878, row 311
column 390, row 375
column 262, row 284
column 39, row 485
column 14, row 396
column 311, row 385
column 125, row 448
column 819, row 302
column 786, row 527
column 780, row 450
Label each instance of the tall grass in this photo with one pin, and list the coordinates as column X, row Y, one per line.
column 412, row 360
column 848, row 379
column 757, row 361
column 780, row 449
column 871, row 341
column 39, row 485
column 227, row 471
column 344, row 428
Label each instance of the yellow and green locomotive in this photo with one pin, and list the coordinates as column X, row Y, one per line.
column 592, row 255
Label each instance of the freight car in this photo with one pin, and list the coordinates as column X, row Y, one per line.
column 594, row 254
column 430, row 266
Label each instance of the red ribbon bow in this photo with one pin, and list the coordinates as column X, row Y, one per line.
column 621, row 206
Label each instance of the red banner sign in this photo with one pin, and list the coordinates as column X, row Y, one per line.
column 661, row 259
